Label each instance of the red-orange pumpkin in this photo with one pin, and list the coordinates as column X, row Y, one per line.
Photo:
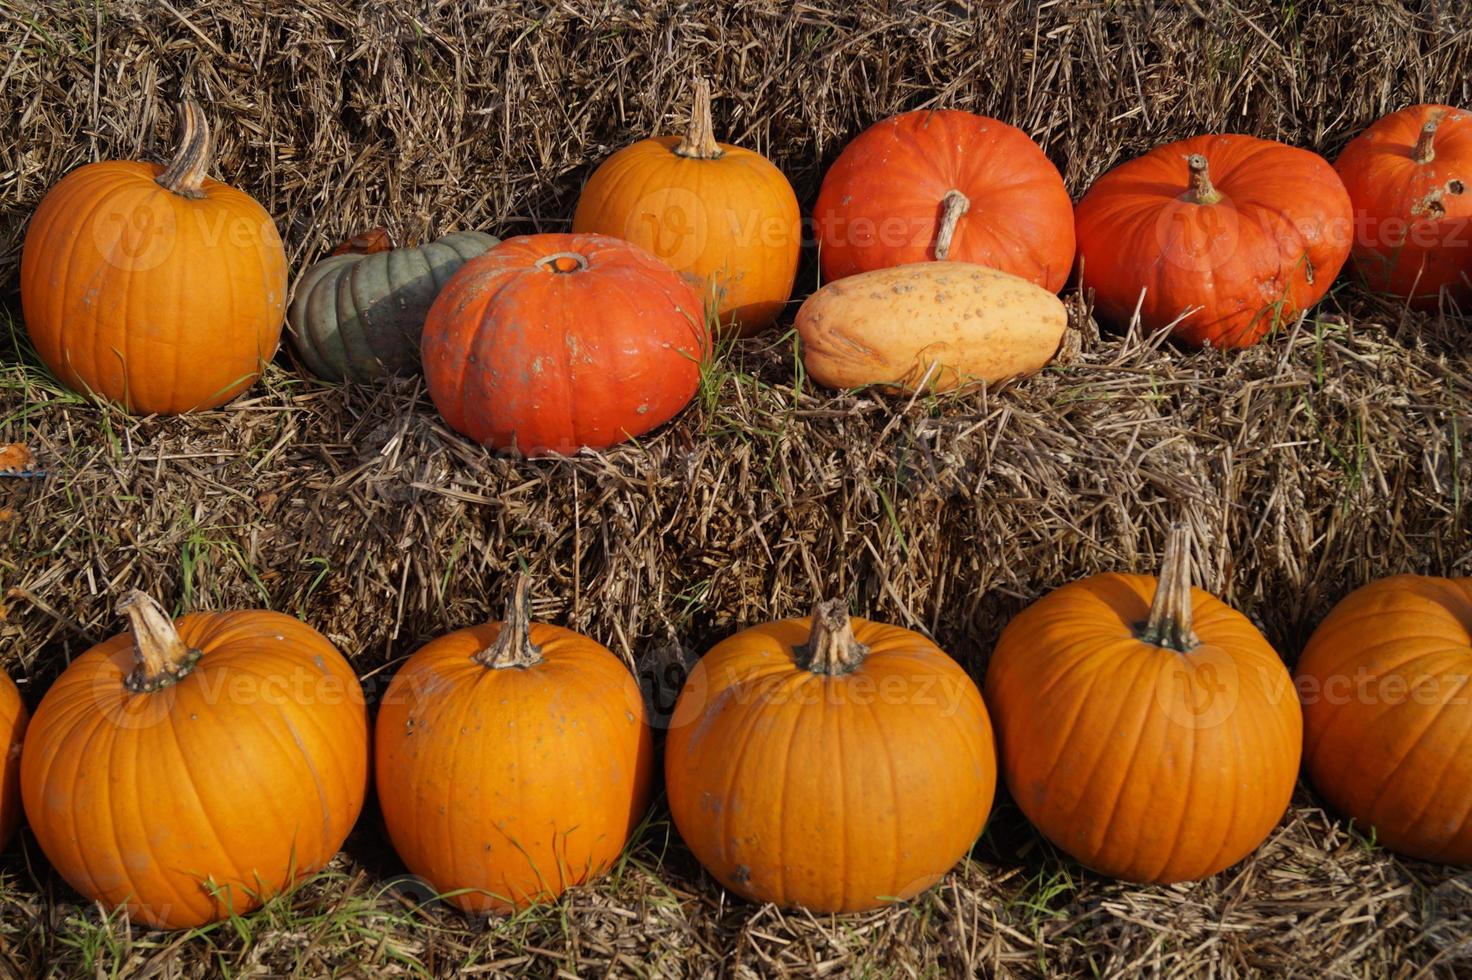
column 187, row 770
column 12, row 730
column 1221, row 238
column 1410, row 178
column 513, row 761
column 1155, row 740
column 549, row 343
column 943, row 185
column 1385, row 682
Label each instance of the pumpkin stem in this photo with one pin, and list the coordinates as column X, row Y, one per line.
column 1169, row 624
column 699, row 142
column 185, row 173
column 1425, row 152
column 563, row 263
column 955, row 204
column 160, row 657
column 831, row 648
column 513, row 646
column 1202, row 192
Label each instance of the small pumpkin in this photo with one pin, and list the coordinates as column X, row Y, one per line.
column 829, row 763
column 1221, row 239
column 928, row 326
column 156, row 288
column 1387, row 722
column 945, row 185
column 12, row 731
column 1146, row 728
column 550, row 343
column 722, row 216
column 513, row 761
column 357, row 315
column 187, row 770
column 1410, row 178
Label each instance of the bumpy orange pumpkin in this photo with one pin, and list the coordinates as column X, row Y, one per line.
column 12, row 730
column 943, row 185
column 188, row 770
column 1153, row 740
column 1226, row 237
column 830, row 763
column 723, row 216
column 549, row 343
column 1410, row 178
column 154, row 287
column 1385, row 682
column 513, row 761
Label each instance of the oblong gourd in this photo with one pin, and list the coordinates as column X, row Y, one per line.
column 358, row 317
column 928, row 325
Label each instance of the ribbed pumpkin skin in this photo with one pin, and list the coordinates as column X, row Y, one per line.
column 517, row 354
column 155, row 301
column 1270, row 248
column 12, row 730
column 357, row 317
column 730, row 225
column 881, row 201
column 830, row 793
column 1388, row 725
column 515, row 783
column 1413, row 221
column 249, row 771
column 1141, row 762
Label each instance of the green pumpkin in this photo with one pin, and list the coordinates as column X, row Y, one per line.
column 358, row 317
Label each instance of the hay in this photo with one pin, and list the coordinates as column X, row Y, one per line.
column 1337, row 453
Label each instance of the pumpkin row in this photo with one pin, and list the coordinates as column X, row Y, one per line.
column 944, row 237
column 187, row 770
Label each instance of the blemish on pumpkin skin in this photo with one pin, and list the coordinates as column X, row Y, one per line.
column 741, row 875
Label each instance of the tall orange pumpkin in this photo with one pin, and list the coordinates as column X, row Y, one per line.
column 1146, row 728
column 187, row 770
column 943, row 185
column 12, row 731
column 1410, row 178
column 829, row 763
column 549, row 343
column 1222, row 238
column 154, row 287
column 722, row 216
column 1386, row 681
column 513, row 761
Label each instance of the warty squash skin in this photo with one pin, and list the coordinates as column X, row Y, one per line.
column 928, row 326
column 1386, row 681
column 829, row 763
column 186, row 770
column 13, row 719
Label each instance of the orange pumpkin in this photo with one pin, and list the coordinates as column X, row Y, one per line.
column 156, row 288
column 1154, row 739
column 1220, row 238
column 189, row 769
column 722, row 216
column 1410, row 178
column 549, row 343
column 12, row 730
column 513, row 761
column 1387, row 720
column 829, row 763
column 944, row 185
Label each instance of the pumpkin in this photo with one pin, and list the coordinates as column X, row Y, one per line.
column 1219, row 238
column 1146, row 728
column 156, row 288
column 722, row 216
column 945, row 185
column 550, row 343
column 931, row 326
column 12, row 729
column 357, row 316
column 829, row 763
column 1387, row 722
column 513, row 761
column 188, row 770
column 1410, row 178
